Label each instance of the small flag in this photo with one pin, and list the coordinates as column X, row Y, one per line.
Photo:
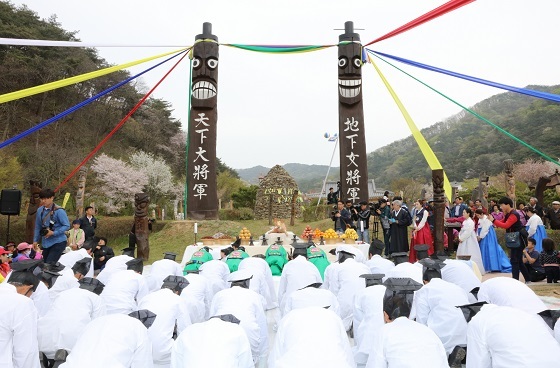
column 66, row 198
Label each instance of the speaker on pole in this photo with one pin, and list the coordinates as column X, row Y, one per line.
column 10, row 202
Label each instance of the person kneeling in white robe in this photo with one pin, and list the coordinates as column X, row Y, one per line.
column 195, row 347
column 403, row 343
column 171, row 311
column 125, row 289
column 114, row 340
column 311, row 337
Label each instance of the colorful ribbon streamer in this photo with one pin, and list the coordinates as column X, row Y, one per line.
column 525, row 91
column 118, row 126
column 425, row 148
column 501, row 130
column 439, row 11
column 50, row 43
column 77, row 79
column 21, row 135
column 279, row 49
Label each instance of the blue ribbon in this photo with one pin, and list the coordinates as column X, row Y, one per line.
column 525, row 91
column 80, row 105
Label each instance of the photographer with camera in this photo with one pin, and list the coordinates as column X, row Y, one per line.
column 51, row 225
column 384, row 213
column 332, row 197
column 361, row 217
column 341, row 217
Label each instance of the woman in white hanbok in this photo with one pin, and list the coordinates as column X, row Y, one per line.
column 468, row 243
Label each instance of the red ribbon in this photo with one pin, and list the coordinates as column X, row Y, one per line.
column 441, row 10
column 118, row 126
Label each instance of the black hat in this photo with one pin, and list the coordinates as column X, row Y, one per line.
column 192, row 271
column 421, row 251
column 145, row 316
column 242, row 248
column 170, row 255
column 399, row 295
column 315, row 285
column 373, row 278
column 400, row 257
column 27, row 278
column 91, row 284
column 227, row 318
column 48, row 277
column 470, row 310
column 136, row 264
column 55, row 267
column 300, row 249
column 550, row 317
column 175, row 283
column 432, row 268
column 128, row 252
column 28, row 265
column 82, row 266
column 237, row 242
column 376, row 247
column 442, row 256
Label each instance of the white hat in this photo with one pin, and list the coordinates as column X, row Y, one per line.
column 240, row 275
column 555, row 202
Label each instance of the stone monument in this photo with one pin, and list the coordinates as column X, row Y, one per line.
column 274, row 197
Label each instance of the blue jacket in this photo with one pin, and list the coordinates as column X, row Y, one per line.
column 462, row 207
column 61, row 225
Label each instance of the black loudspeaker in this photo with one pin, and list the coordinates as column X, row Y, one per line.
column 10, row 202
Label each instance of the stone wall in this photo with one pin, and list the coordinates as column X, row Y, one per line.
column 279, row 185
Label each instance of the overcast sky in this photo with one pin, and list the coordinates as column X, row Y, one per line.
column 277, row 107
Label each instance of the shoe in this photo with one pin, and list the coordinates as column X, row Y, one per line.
column 456, row 357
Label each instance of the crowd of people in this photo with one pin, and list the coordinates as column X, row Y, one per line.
column 285, row 308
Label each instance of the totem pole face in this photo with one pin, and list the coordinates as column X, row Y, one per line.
column 141, row 201
column 349, row 73
column 205, row 75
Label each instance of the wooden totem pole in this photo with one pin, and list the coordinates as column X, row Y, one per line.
column 80, row 194
column 34, row 203
column 439, row 209
column 353, row 157
column 483, row 189
column 509, row 180
column 202, row 196
column 141, row 230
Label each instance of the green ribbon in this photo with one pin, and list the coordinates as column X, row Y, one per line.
column 278, row 49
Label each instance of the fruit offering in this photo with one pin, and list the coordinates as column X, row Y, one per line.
column 244, row 234
column 317, row 233
column 350, row 234
column 330, row 234
column 307, row 232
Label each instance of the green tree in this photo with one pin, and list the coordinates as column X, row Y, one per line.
column 245, row 197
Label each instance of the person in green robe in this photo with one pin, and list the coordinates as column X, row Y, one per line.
column 318, row 257
column 234, row 258
column 198, row 258
column 276, row 257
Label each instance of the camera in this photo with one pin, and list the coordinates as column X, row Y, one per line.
column 45, row 229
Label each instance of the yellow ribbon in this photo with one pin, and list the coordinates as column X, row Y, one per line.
column 77, row 79
column 425, row 148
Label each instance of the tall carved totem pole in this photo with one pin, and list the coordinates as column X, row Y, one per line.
column 202, row 194
column 353, row 157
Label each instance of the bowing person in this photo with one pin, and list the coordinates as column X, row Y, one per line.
column 125, row 289
column 69, row 277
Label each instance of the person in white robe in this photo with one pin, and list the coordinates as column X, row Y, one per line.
column 436, row 304
column 349, row 281
column 368, row 316
column 402, row 342
column 18, row 322
column 72, row 310
column 468, row 243
column 195, row 347
column 125, row 289
column 69, row 277
column 311, row 337
column 255, row 264
column 171, row 311
column 40, row 296
column 405, row 269
column 459, row 273
column 113, row 265
column 502, row 336
column 330, row 282
column 159, row 271
column 297, row 274
column 198, row 295
column 247, row 306
column 114, row 340
column 508, row 292
column 376, row 263
column 311, row 296
column 217, row 273
column 69, row 259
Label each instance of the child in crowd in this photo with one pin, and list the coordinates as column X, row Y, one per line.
column 549, row 258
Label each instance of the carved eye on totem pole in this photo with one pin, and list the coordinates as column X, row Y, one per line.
column 349, row 73
column 205, row 75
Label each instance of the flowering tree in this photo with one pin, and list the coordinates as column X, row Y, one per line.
column 160, row 182
column 531, row 170
column 120, row 182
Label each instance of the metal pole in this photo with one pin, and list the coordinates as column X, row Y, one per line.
column 327, row 176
